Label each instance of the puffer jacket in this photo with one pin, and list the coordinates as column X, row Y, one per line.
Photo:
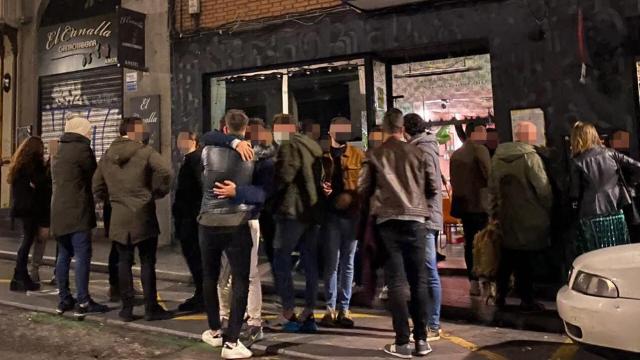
column 595, row 182
column 429, row 145
column 298, row 180
column 394, row 178
column 133, row 176
column 521, row 197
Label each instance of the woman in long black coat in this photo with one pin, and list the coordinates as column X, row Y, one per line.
column 30, row 203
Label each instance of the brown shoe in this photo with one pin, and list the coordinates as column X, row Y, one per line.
column 344, row 319
column 329, row 319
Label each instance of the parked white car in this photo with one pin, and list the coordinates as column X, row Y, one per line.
column 601, row 304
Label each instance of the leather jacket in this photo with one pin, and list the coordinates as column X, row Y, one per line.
column 222, row 164
column 595, row 183
column 394, row 181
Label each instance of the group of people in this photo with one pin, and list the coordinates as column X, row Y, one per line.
column 246, row 182
column 516, row 189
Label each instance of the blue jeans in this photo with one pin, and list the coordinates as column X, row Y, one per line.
column 76, row 245
column 289, row 233
column 434, row 300
column 340, row 252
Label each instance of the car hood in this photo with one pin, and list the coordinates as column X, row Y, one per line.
column 620, row 264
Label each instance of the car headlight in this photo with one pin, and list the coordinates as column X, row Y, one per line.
column 594, row 285
column 569, row 275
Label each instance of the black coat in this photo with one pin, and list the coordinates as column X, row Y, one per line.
column 188, row 195
column 31, row 194
column 72, row 205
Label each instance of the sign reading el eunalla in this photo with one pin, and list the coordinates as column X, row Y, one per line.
column 110, row 39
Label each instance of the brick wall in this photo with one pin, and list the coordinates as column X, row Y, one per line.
column 215, row 13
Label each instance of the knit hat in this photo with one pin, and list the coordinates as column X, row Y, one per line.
column 78, row 125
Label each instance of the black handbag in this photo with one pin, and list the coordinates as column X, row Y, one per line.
column 627, row 201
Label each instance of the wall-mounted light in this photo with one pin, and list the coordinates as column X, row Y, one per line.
column 6, row 82
column 194, row 7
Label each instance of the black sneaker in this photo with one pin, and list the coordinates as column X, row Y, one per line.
column 126, row 314
column 157, row 313
column 66, row 305
column 252, row 335
column 344, row 320
column 192, row 304
column 423, row 348
column 23, row 284
column 89, row 308
column 401, row 351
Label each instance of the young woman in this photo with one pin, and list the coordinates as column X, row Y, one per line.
column 597, row 189
column 29, row 188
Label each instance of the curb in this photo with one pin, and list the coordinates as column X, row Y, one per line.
column 268, row 349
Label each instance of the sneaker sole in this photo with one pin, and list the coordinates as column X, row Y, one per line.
column 212, row 342
column 398, row 355
column 424, row 353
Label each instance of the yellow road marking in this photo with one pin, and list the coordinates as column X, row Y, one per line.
column 4, row 281
column 567, row 351
column 473, row 347
column 160, row 301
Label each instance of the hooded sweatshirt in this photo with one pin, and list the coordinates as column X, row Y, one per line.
column 429, row 145
column 133, row 176
column 298, row 177
column 521, row 197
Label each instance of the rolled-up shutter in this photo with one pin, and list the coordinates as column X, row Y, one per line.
column 94, row 94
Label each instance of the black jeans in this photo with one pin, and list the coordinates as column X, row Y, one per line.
column 147, row 251
column 472, row 224
column 405, row 242
column 114, row 260
column 188, row 236
column 29, row 233
column 518, row 262
column 236, row 243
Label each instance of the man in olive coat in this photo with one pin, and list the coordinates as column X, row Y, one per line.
column 73, row 214
column 134, row 176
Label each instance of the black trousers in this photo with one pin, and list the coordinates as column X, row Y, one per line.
column 236, row 244
column 406, row 245
column 29, row 233
column 114, row 260
column 147, row 251
column 472, row 224
column 268, row 232
column 188, row 235
column 519, row 263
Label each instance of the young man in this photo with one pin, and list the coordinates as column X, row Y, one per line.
column 521, row 199
column 469, row 168
column 232, row 189
column 416, row 127
column 186, row 207
column 73, row 215
column 264, row 153
column 343, row 164
column 298, row 210
column 394, row 176
column 134, row 176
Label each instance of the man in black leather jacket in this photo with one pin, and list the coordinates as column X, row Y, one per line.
column 232, row 190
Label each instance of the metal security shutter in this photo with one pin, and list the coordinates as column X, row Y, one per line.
column 94, row 94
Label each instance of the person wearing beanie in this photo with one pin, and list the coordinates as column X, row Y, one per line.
column 73, row 215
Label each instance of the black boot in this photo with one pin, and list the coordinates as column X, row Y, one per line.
column 126, row 314
column 114, row 293
column 192, row 304
column 155, row 312
column 22, row 282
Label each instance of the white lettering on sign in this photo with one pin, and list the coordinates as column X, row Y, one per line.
column 68, row 32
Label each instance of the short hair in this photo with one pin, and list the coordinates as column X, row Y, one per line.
column 256, row 121
column 377, row 128
column 414, row 124
column 584, row 136
column 128, row 123
column 236, row 120
column 470, row 128
column 285, row 119
column 393, row 122
column 340, row 120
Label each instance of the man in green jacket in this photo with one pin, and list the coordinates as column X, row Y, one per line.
column 134, row 176
column 298, row 209
column 521, row 200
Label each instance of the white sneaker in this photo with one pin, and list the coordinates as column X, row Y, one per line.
column 212, row 338
column 474, row 289
column 235, row 351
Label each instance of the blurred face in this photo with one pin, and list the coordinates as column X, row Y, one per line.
column 479, row 134
column 259, row 135
column 185, row 143
column 313, row 131
column 340, row 133
column 620, row 141
column 136, row 132
column 526, row 133
column 492, row 140
column 283, row 132
column 376, row 139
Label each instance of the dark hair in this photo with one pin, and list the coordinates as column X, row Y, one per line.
column 393, row 121
column 256, row 121
column 340, row 120
column 192, row 135
column 471, row 127
column 414, row 124
column 285, row 119
column 236, row 120
column 128, row 123
column 377, row 128
column 28, row 157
